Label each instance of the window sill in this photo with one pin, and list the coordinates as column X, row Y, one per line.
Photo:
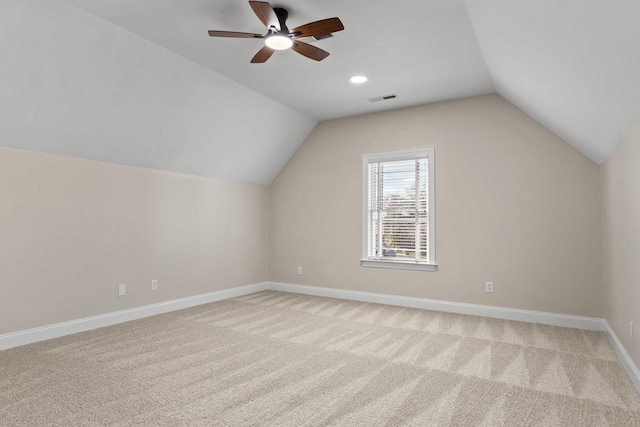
column 401, row 265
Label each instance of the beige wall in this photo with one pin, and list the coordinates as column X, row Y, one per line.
column 71, row 230
column 515, row 205
column 621, row 242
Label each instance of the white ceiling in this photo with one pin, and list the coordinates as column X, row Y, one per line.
column 155, row 90
column 76, row 85
column 572, row 65
column 422, row 51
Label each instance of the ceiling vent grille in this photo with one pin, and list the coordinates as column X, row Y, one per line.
column 382, row 98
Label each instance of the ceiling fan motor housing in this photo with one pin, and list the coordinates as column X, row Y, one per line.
column 282, row 15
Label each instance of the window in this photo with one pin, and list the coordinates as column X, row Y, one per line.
column 398, row 210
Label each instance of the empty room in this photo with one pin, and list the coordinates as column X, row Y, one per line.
column 319, row 213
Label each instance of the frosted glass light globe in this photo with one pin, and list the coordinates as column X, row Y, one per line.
column 279, row 42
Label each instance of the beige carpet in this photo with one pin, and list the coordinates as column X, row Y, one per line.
column 278, row 359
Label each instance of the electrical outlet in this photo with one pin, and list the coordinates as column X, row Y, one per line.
column 299, row 271
column 488, row 287
column 631, row 329
column 154, row 285
column 122, row 290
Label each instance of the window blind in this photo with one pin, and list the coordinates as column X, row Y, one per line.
column 398, row 216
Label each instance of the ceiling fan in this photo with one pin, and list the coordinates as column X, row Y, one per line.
column 279, row 37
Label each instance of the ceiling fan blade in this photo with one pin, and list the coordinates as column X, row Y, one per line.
column 309, row 51
column 265, row 13
column 234, row 34
column 262, row 55
column 319, row 28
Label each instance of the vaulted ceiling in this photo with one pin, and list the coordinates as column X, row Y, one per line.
column 141, row 83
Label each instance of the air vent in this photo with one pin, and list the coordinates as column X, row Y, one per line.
column 382, row 98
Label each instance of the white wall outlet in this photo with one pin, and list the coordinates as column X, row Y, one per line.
column 154, row 285
column 122, row 290
column 299, row 271
column 488, row 287
column 631, row 329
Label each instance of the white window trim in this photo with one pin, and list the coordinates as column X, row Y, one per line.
column 430, row 265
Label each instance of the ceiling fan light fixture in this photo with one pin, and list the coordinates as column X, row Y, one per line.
column 278, row 42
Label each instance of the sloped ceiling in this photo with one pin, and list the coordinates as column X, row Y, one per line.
column 572, row 65
column 421, row 51
column 76, row 85
column 141, row 83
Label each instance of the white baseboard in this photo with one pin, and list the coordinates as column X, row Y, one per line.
column 589, row 323
column 579, row 322
column 624, row 357
column 29, row 336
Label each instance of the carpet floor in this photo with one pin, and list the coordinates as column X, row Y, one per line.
column 280, row 359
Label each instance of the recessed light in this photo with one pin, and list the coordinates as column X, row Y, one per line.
column 358, row 79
